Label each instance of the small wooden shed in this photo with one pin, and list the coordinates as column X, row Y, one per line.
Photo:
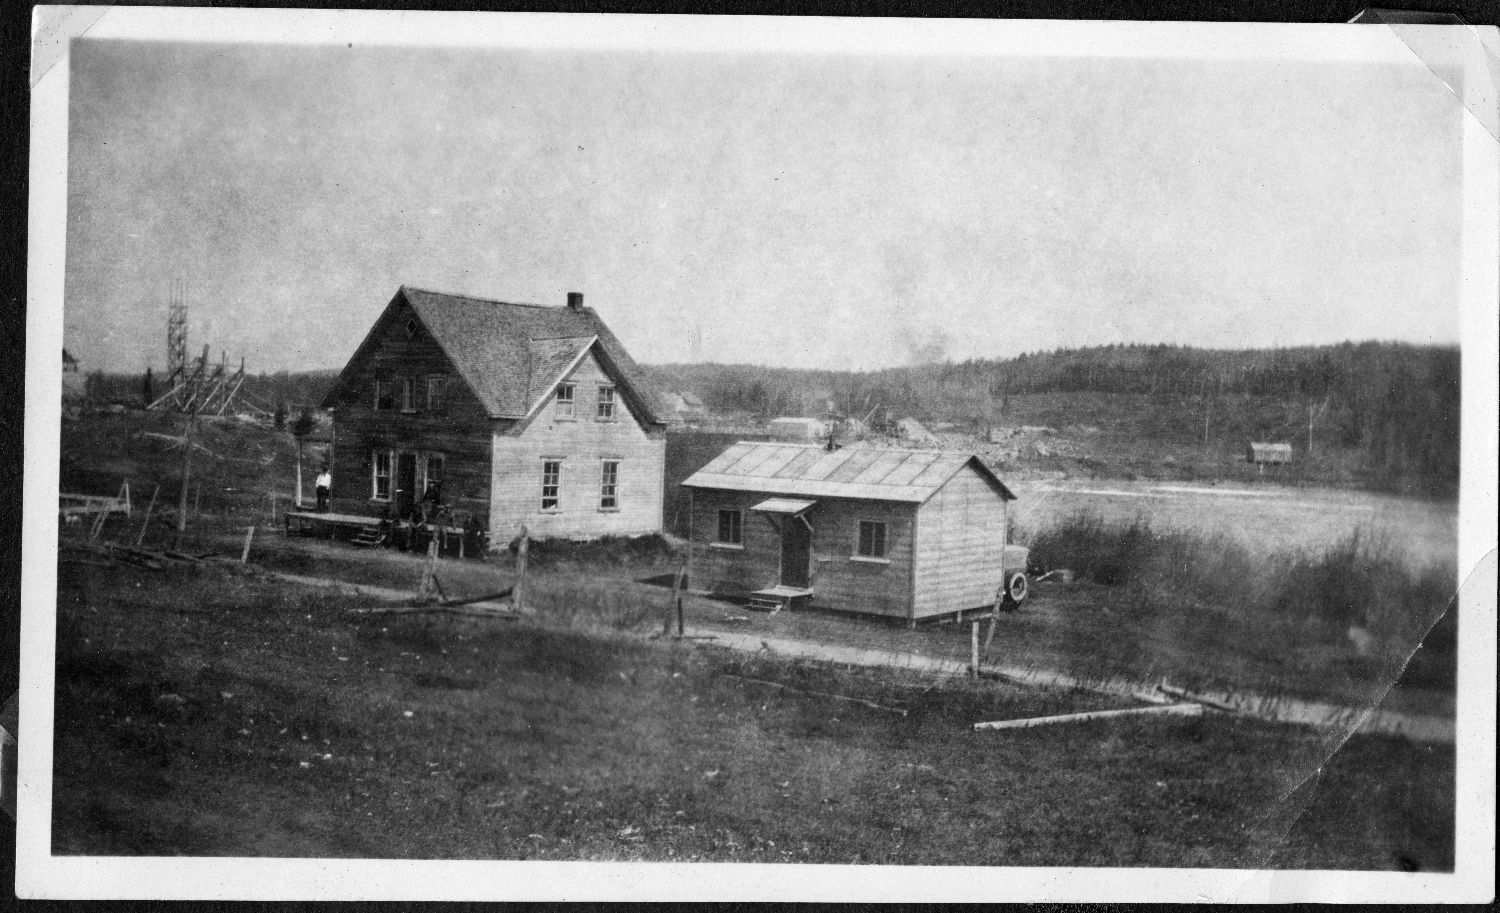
column 793, row 428
column 1263, row 453
column 907, row 534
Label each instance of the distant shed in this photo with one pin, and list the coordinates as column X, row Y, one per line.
column 907, row 534
column 1264, row 453
column 798, row 429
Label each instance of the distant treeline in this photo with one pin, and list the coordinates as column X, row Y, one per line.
column 1397, row 404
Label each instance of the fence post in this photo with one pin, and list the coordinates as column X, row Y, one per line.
column 249, row 534
column 677, row 596
column 429, row 572
column 974, row 649
column 518, row 598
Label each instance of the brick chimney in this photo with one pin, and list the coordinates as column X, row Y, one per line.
column 575, row 301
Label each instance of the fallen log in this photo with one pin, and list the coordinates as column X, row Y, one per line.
column 1166, row 710
column 1182, row 694
column 836, row 697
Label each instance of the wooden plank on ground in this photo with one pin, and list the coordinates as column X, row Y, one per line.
column 1165, row 710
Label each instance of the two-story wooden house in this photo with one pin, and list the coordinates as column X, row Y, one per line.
column 510, row 413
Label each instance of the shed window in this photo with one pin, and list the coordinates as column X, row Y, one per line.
column 871, row 539
column 564, row 400
column 730, row 529
column 606, row 403
column 384, row 398
column 435, row 392
column 408, row 394
column 551, row 483
column 380, row 471
column 609, row 485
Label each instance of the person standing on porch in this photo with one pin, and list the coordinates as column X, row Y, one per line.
column 324, row 483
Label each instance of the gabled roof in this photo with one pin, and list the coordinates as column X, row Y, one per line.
column 809, row 470
column 504, row 351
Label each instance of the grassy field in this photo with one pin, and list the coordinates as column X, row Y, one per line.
column 214, row 711
column 219, row 710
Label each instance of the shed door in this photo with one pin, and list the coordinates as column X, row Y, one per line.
column 796, row 552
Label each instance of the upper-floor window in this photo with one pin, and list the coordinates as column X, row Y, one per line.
column 606, row 403
column 871, row 539
column 551, row 483
column 435, row 392
column 408, row 394
column 384, row 396
column 609, row 485
column 564, row 400
column 731, row 531
column 380, row 472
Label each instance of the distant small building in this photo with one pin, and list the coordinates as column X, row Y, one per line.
column 1264, row 453
column 798, row 429
column 73, row 381
column 684, row 406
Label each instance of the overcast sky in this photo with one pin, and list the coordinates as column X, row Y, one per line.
column 805, row 210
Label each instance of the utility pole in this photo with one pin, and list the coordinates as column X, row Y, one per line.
column 188, row 434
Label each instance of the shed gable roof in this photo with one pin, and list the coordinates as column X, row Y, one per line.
column 811, row 471
column 505, row 351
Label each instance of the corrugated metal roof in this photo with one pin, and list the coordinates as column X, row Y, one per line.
column 810, row 471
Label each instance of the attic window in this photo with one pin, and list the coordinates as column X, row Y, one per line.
column 411, row 327
column 606, row 404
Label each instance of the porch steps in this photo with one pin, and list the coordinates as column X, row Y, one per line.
column 774, row 599
column 368, row 536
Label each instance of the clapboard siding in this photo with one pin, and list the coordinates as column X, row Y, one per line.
column 960, row 544
column 838, row 579
column 459, row 428
column 727, row 570
column 582, row 444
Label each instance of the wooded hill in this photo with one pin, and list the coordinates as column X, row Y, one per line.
column 1386, row 415
column 1391, row 410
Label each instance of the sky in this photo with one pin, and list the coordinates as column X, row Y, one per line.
column 806, row 210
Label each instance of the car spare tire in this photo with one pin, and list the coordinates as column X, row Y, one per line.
column 1016, row 588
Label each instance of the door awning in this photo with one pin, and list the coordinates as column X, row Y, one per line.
column 788, row 506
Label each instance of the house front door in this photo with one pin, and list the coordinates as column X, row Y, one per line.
column 796, row 552
column 406, row 483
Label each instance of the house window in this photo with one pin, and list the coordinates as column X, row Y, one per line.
column 564, row 400
column 435, row 393
column 432, row 474
column 609, row 485
column 408, row 394
column 411, row 328
column 871, row 539
column 730, row 531
column 383, row 395
column 380, row 463
column 606, row 404
column 551, row 483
